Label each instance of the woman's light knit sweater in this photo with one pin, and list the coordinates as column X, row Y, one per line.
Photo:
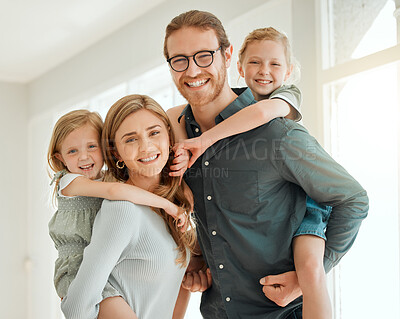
column 132, row 248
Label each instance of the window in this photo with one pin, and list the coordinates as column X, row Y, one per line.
column 361, row 96
column 359, row 28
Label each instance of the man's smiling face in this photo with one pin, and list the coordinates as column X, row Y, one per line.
column 199, row 86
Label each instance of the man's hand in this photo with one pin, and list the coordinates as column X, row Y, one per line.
column 281, row 289
column 198, row 276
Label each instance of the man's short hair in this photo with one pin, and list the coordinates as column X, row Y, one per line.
column 197, row 19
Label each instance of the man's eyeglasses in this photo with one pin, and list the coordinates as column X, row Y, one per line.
column 202, row 59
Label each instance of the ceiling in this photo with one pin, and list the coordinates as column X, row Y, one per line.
column 37, row 35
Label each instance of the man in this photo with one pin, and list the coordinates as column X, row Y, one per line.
column 249, row 189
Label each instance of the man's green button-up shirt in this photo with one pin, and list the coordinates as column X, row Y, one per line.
column 250, row 198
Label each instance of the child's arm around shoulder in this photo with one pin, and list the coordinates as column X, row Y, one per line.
column 82, row 186
column 283, row 102
column 245, row 120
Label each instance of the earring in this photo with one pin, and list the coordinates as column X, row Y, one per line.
column 120, row 166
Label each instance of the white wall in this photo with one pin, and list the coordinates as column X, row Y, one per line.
column 42, row 300
column 13, row 194
column 304, row 43
column 275, row 13
column 126, row 53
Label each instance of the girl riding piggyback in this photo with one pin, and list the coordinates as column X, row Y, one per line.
column 76, row 158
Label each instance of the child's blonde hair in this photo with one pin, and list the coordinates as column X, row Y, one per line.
column 64, row 126
column 272, row 34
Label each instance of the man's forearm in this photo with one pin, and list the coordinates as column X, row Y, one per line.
column 343, row 228
column 305, row 163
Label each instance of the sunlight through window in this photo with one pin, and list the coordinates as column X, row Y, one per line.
column 381, row 34
column 365, row 138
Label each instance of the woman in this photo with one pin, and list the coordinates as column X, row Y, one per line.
column 138, row 249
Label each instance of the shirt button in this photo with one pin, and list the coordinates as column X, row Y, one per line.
column 196, row 130
column 206, row 163
column 209, row 197
column 213, row 232
column 221, row 266
column 228, row 299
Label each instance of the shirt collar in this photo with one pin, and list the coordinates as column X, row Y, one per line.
column 186, row 112
column 245, row 98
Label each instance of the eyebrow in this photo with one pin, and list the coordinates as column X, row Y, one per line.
column 134, row 132
column 73, row 147
column 181, row 54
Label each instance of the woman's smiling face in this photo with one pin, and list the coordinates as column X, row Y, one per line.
column 142, row 143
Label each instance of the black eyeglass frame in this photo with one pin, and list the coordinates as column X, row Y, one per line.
column 212, row 52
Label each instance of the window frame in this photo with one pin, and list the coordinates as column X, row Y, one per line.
column 327, row 73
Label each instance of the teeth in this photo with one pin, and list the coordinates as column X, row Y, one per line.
column 86, row 166
column 197, row 83
column 149, row 158
column 263, row 82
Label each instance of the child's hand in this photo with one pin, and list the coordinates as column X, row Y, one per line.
column 182, row 220
column 197, row 146
column 180, row 162
column 281, row 289
column 179, row 214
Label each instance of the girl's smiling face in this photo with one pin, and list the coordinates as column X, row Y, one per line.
column 81, row 153
column 264, row 67
column 142, row 143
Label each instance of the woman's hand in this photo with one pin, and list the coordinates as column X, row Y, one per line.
column 197, row 276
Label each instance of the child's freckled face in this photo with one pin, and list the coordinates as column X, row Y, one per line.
column 81, row 152
column 264, row 67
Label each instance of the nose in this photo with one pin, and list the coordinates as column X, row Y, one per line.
column 83, row 155
column 193, row 70
column 264, row 69
column 144, row 145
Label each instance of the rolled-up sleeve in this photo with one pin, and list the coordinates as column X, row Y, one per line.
column 303, row 161
column 114, row 228
column 292, row 95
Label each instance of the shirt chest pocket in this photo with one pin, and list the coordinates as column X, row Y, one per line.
column 238, row 190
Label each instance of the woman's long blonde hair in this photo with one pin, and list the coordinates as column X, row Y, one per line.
column 169, row 187
column 64, row 126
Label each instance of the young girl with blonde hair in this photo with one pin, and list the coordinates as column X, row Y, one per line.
column 75, row 155
column 267, row 65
